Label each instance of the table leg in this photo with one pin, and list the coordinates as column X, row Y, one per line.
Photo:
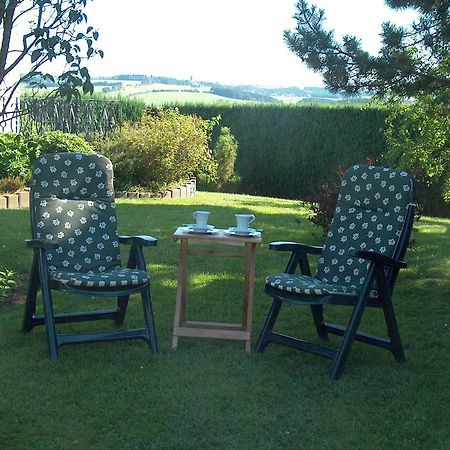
column 181, row 300
column 247, row 317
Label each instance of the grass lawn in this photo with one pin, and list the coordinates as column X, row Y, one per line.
column 209, row 394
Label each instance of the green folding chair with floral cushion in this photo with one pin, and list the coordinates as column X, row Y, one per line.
column 357, row 266
column 76, row 249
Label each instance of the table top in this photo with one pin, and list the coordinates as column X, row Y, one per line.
column 217, row 236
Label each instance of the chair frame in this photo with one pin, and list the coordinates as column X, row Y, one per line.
column 40, row 279
column 382, row 271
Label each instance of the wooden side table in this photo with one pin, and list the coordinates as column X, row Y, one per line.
column 236, row 331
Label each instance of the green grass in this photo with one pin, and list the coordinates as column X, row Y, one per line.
column 209, row 394
column 168, row 95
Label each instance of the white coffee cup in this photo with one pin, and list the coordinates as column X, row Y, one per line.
column 243, row 221
column 201, row 218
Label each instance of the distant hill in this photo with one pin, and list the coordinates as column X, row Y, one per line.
column 157, row 90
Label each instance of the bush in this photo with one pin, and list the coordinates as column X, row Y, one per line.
column 418, row 138
column 10, row 185
column 58, row 141
column 18, row 151
column 322, row 203
column 225, row 153
column 7, row 284
column 163, row 149
column 14, row 156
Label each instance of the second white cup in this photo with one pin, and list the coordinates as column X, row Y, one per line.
column 201, row 218
column 243, row 221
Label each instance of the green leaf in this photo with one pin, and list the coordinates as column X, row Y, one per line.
column 36, row 55
column 88, row 87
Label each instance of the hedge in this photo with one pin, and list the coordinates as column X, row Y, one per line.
column 290, row 151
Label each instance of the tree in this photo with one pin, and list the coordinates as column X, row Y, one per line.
column 49, row 30
column 413, row 60
column 418, row 138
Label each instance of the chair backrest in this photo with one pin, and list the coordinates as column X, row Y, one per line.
column 372, row 213
column 72, row 203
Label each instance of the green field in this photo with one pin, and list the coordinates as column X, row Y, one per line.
column 163, row 94
column 181, row 97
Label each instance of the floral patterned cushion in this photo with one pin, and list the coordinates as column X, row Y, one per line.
column 115, row 278
column 302, row 284
column 73, row 205
column 369, row 215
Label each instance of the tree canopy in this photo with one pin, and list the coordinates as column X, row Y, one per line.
column 412, row 60
column 48, row 30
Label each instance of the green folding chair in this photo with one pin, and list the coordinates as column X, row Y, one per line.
column 76, row 249
column 357, row 267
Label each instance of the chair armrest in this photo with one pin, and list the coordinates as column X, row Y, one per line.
column 147, row 241
column 379, row 258
column 295, row 247
column 41, row 243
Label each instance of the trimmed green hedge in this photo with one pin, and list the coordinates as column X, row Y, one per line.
column 290, row 151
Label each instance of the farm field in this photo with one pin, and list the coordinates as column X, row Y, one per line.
column 181, row 97
column 158, row 94
column 159, row 91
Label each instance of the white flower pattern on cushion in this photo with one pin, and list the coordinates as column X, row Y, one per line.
column 80, row 215
column 369, row 215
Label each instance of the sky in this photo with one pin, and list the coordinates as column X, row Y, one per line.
column 227, row 41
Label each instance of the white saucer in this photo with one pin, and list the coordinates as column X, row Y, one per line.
column 193, row 228
column 249, row 232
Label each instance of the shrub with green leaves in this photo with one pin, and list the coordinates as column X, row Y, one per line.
column 163, row 149
column 418, row 137
column 14, row 156
column 7, row 284
column 18, row 151
column 225, row 153
column 58, row 141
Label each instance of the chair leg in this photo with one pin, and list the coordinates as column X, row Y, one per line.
column 49, row 322
column 392, row 328
column 30, row 304
column 317, row 313
column 122, row 304
column 49, row 316
column 347, row 340
column 268, row 325
column 149, row 319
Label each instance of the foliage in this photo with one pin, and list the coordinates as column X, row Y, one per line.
column 14, row 156
column 162, row 149
column 322, row 204
column 18, row 151
column 291, row 151
column 58, row 141
column 129, row 109
column 241, row 94
column 7, row 284
column 11, row 184
column 225, row 153
column 418, row 136
column 411, row 60
column 52, row 30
